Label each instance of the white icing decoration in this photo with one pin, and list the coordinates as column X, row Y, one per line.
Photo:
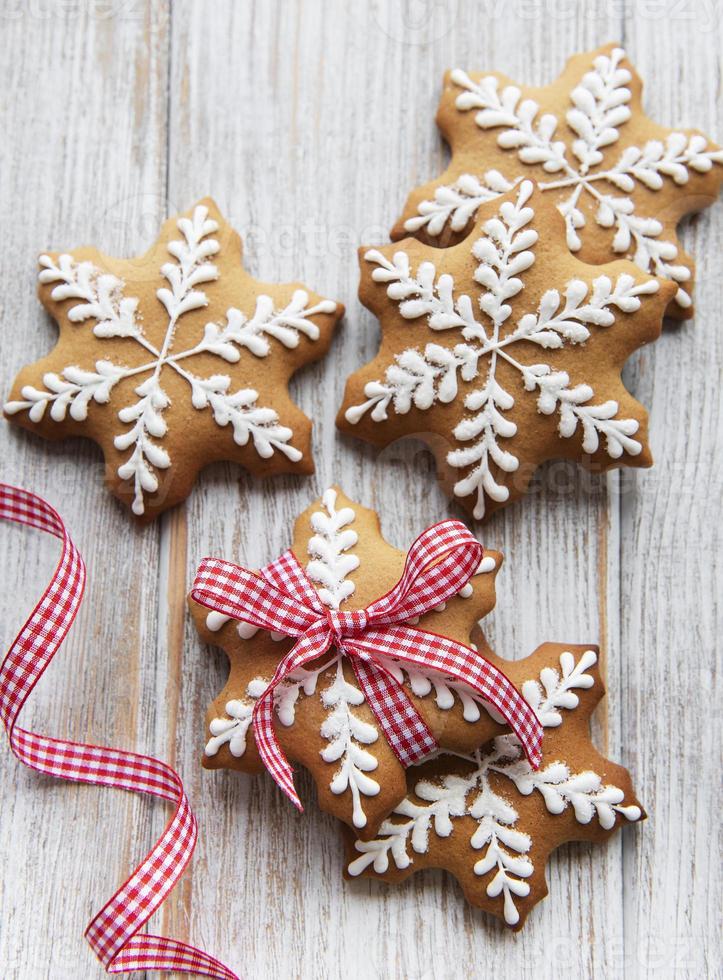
column 423, row 683
column 599, row 105
column 457, row 203
column 216, row 621
column 485, row 566
column 503, row 849
column 329, row 565
column 101, row 299
column 231, row 731
column 347, row 735
column 505, row 251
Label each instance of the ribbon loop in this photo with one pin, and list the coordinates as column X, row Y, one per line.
column 253, row 598
column 289, row 578
column 440, row 562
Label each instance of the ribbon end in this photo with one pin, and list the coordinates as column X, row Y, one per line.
column 287, row 787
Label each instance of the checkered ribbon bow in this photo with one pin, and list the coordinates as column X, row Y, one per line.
column 281, row 598
column 114, row 932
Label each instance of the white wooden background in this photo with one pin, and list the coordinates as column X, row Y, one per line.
column 309, row 122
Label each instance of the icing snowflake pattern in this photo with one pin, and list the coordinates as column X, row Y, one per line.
column 423, row 378
column 589, row 165
column 101, row 300
column 500, row 850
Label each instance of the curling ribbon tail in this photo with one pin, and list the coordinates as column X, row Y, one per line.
column 114, row 934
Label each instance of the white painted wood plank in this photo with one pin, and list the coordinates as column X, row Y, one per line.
column 83, row 118
column 671, row 576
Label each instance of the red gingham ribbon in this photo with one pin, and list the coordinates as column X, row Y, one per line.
column 114, row 932
column 281, row 598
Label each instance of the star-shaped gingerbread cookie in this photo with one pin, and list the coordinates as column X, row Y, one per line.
column 621, row 181
column 322, row 719
column 490, row 819
column 504, row 351
column 173, row 360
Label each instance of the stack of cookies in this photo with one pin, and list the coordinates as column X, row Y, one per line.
column 542, row 258
column 476, row 806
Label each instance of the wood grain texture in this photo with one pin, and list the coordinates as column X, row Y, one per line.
column 308, row 123
column 84, row 99
column 671, row 578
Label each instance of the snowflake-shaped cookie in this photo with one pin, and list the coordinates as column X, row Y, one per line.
column 322, row 719
column 173, row 360
column 621, row 182
column 492, row 820
column 504, row 351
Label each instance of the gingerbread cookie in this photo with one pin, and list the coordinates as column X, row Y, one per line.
column 621, row 182
column 504, row 351
column 326, row 712
column 490, row 819
column 173, row 360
